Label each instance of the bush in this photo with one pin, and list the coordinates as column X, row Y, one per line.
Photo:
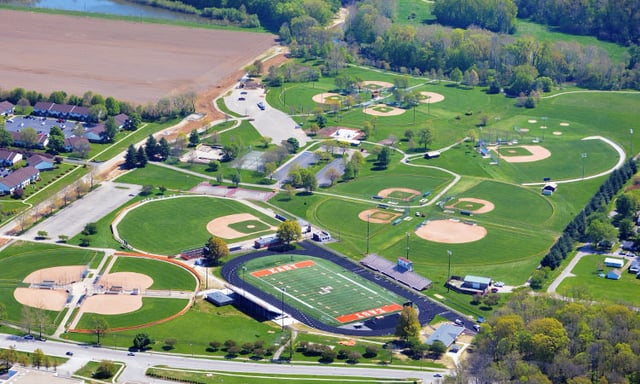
column 90, row 229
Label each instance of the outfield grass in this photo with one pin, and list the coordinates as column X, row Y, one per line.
column 214, row 324
column 323, row 290
column 152, row 309
column 587, row 284
column 166, row 276
column 169, row 226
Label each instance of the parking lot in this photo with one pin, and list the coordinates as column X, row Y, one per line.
column 39, row 124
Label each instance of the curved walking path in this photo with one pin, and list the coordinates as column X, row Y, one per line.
column 566, row 272
column 621, row 160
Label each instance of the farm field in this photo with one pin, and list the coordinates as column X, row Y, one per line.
column 320, row 288
column 182, row 57
column 153, row 227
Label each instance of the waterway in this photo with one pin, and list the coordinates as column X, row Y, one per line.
column 112, row 7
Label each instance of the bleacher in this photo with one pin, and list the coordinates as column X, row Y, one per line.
column 192, row 253
column 392, row 270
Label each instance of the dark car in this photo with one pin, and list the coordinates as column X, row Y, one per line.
column 131, row 354
column 261, row 105
column 28, row 337
column 241, row 98
column 69, row 353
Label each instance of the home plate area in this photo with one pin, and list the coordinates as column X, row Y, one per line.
column 326, row 291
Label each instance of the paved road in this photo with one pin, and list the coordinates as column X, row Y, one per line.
column 91, row 208
column 270, row 122
column 137, row 365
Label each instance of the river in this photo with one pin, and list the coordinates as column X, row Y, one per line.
column 112, row 7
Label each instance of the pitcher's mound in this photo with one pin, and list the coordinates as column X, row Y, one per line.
column 451, row 232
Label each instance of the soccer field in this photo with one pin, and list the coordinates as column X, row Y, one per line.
column 320, row 288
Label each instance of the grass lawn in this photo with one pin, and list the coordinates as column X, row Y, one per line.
column 214, row 324
column 152, row 309
column 319, row 288
column 160, row 176
column 249, row 226
column 169, row 226
column 91, row 367
column 166, row 276
column 216, row 377
column 587, row 284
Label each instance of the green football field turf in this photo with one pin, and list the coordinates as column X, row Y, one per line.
column 320, row 288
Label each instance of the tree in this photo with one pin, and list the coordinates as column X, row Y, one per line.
column 269, row 168
column 384, row 157
column 308, row 180
column 56, row 140
column 265, row 140
column 9, row 356
column 408, row 325
column 163, row 149
column 491, row 299
column 194, row 138
column 235, row 179
column 99, row 326
column 169, row 343
column 357, row 161
column 215, row 249
column 6, row 139
column 112, row 106
column 599, row 231
column 141, row 157
column 333, row 175
column 134, row 121
column 213, row 166
column 28, row 137
column 105, row 370
column 294, row 144
column 130, row 159
column 626, row 206
column 37, row 357
column 425, row 137
column 437, row 348
column 97, row 112
column 42, row 234
column 90, row 229
column 288, row 231
column 141, row 341
column 151, row 147
column 456, row 75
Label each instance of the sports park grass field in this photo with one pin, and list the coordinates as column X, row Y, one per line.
column 166, row 276
column 321, row 289
column 152, row 309
column 169, row 226
column 20, row 259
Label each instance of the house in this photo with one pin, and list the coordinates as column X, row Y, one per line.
column 42, row 163
column 94, row 133
column 79, row 113
column 9, row 158
column 42, row 108
column 18, row 179
column 635, row 266
column 615, row 263
column 476, row 282
column 6, row 108
column 614, row 274
column 121, row 120
column 76, row 144
column 549, row 188
column 447, row 333
column 627, row 245
column 60, row 110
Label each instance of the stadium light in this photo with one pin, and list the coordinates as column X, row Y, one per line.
column 584, row 156
column 368, row 217
column 631, row 141
column 407, row 233
column 449, row 275
column 244, row 269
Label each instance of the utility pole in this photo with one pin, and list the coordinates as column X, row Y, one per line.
column 407, row 233
column 449, row 274
column 368, row 221
column 584, row 156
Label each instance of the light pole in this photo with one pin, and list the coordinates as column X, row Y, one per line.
column 283, row 290
column 631, row 141
column 584, row 156
column 449, row 274
column 368, row 217
column 407, row 233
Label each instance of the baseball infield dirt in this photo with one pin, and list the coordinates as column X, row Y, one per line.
column 487, row 205
column 391, row 111
column 381, row 84
column 388, row 191
column 111, row 304
column 537, row 153
column 323, row 98
column 49, row 299
column 373, row 216
column 59, row 275
column 431, row 97
column 451, row 232
column 137, row 62
column 220, row 226
column 126, row 280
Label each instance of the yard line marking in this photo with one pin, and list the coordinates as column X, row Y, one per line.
column 283, row 268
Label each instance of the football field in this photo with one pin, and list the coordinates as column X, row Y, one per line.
column 320, row 288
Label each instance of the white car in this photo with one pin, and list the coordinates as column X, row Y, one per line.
column 498, row 284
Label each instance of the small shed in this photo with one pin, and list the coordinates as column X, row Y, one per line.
column 477, row 282
column 432, row 155
column 614, row 274
column 615, row 263
column 549, row 188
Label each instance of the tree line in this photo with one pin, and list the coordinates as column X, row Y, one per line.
column 536, row 339
column 588, row 225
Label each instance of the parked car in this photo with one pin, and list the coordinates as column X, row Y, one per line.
column 241, row 98
column 131, row 354
column 69, row 353
column 498, row 284
column 28, row 337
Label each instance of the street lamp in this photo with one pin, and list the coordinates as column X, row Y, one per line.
column 449, row 274
column 282, row 290
column 407, row 233
column 631, row 141
column 584, row 156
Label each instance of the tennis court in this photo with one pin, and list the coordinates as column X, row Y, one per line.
column 320, row 288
